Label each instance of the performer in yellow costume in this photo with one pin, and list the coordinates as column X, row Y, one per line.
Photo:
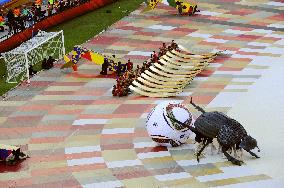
column 184, row 7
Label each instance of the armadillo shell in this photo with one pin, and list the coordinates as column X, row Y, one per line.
column 210, row 123
column 238, row 129
column 232, row 133
column 226, row 136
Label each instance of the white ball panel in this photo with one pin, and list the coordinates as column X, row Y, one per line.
column 158, row 124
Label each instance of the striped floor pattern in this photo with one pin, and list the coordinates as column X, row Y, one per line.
column 78, row 135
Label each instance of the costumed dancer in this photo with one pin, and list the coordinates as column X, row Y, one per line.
column 174, row 45
column 163, row 50
column 111, row 64
column 11, row 154
column 155, row 57
column 138, row 71
column 104, row 67
column 118, row 69
column 114, row 91
column 185, row 8
column 129, row 65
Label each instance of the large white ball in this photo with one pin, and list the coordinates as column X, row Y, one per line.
column 163, row 129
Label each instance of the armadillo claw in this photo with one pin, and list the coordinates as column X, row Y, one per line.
column 237, row 162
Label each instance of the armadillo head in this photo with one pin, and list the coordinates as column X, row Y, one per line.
column 248, row 143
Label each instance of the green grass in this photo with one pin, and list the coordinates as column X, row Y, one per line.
column 81, row 29
column 4, row 87
column 2, row 68
column 85, row 27
column 172, row 3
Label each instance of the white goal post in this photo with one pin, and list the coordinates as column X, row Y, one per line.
column 31, row 52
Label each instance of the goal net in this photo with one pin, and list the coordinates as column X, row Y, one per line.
column 31, row 52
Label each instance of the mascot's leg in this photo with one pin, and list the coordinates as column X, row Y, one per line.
column 238, row 151
column 234, row 151
column 230, row 151
column 219, row 149
column 198, row 148
column 205, row 143
column 213, row 147
column 252, row 154
column 230, row 158
column 239, row 154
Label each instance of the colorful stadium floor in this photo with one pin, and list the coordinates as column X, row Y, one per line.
column 78, row 135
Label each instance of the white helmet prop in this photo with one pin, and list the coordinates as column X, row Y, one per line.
column 163, row 130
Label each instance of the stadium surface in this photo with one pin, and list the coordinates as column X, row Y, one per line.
column 79, row 135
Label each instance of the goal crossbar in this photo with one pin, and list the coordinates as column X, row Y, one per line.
column 31, row 52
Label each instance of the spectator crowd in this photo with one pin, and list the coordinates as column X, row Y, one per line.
column 25, row 16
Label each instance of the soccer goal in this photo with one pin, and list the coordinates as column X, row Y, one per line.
column 31, row 52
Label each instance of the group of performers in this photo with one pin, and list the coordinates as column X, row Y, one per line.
column 118, row 67
column 164, row 48
column 184, row 7
column 122, row 83
column 124, row 79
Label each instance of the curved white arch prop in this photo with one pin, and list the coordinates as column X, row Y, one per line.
column 174, row 72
